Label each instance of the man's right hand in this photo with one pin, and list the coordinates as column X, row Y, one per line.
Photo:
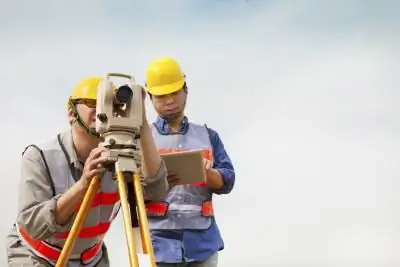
column 94, row 166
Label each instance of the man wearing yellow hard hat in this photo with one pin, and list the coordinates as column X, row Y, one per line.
column 183, row 226
column 55, row 177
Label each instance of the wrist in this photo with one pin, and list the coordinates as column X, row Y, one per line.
column 83, row 184
column 214, row 178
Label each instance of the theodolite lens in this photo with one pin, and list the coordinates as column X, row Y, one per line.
column 124, row 94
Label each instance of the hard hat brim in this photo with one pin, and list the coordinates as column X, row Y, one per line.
column 166, row 89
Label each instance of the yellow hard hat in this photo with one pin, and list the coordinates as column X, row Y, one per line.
column 164, row 76
column 86, row 88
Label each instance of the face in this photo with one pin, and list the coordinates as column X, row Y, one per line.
column 87, row 111
column 170, row 104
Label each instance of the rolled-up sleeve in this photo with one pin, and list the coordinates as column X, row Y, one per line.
column 36, row 202
column 156, row 187
column 222, row 163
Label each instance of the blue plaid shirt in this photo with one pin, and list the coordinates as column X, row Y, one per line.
column 176, row 246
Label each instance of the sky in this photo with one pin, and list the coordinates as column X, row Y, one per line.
column 304, row 95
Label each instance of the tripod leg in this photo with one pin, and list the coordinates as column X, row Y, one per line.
column 79, row 221
column 143, row 222
column 133, row 259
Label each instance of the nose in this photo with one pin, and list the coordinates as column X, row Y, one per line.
column 93, row 114
column 169, row 99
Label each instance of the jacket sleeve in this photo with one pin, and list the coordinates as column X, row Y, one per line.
column 36, row 202
column 156, row 187
column 222, row 163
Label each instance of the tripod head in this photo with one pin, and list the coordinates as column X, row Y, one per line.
column 119, row 119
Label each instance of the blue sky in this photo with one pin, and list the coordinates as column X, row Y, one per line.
column 304, row 94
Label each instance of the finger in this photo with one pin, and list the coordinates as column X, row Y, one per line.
column 96, row 162
column 209, row 165
column 96, row 172
column 100, row 149
column 95, row 153
column 206, row 164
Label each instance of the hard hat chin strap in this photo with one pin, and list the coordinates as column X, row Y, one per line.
column 81, row 123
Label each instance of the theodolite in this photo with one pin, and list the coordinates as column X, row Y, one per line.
column 119, row 115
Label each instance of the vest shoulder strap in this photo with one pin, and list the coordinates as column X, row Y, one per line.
column 208, row 131
column 48, row 176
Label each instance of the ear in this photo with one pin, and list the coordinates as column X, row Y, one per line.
column 71, row 117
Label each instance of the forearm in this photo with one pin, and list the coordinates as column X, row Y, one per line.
column 38, row 219
column 151, row 159
column 156, row 187
column 68, row 202
column 44, row 219
column 221, row 177
column 221, row 181
column 214, row 179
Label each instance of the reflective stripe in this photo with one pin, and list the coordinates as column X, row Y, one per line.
column 184, row 207
column 207, row 209
column 89, row 232
column 51, row 253
column 157, row 208
column 198, row 184
column 103, row 198
column 161, row 208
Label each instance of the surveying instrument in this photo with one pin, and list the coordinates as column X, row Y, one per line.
column 118, row 122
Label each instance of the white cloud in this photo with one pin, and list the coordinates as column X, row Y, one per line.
column 304, row 97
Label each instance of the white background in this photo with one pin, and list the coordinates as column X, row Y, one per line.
column 303, row 93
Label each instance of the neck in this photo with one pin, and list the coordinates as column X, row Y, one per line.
column 175, row 124
column 83, row 144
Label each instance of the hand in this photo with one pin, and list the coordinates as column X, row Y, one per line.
column 172, row 179
column 93, row 166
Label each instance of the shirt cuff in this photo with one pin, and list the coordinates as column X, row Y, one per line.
column 227, row 179
column 156, row 187
column 50, row 219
